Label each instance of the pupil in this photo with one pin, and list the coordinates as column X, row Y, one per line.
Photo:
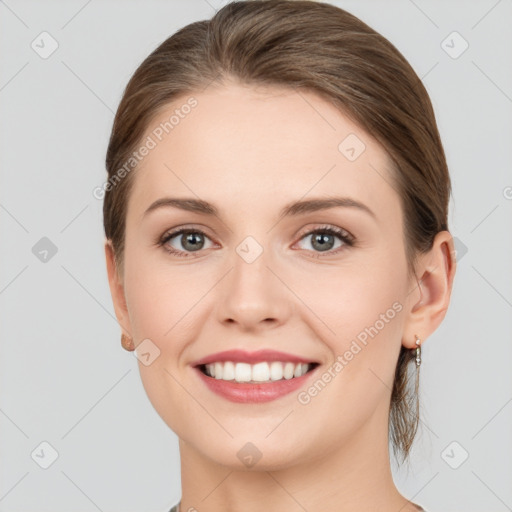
column 321, row 240
column 192, row 238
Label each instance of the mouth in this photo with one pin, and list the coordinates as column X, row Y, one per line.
column 254, row 377
column 255, row 383
column 258, row 373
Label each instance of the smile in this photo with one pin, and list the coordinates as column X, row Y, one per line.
column 244, row 386
column 256, row 373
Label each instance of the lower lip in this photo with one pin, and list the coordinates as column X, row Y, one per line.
column 244, row 392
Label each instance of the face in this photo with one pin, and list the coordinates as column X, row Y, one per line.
column 326, row 285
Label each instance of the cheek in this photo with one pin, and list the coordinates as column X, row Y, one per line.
column 363, row 310
column 350, row 297
column 159, row 301
column 160, row 295
column 358, row 308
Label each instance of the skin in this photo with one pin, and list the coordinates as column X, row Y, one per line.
column 250, row 151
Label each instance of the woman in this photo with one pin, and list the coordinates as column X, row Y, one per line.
column 278, row 251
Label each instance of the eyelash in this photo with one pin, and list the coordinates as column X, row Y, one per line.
column 343, row 235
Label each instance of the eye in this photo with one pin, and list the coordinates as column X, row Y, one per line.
column 323, row 239
column 190, row 240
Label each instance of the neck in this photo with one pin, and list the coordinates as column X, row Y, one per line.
column 354, row 476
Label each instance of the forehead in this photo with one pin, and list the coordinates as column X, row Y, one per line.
column 257, row 148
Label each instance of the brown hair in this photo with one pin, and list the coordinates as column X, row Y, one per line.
column 313, row 46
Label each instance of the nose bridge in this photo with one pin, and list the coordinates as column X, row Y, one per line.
column 251, row 277
column 250, row 249
column 252, row 293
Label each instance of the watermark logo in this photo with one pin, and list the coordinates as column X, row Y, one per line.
column 351, row 147
column 460, row 248
column 44, row 45
column 454, row 455
column 44, row 455
column 146, row 352
column 454, row 45
column 249, row 249
column 44, row 250
column 249, row 454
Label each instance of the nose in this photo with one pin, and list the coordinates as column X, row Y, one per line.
column 253, row 295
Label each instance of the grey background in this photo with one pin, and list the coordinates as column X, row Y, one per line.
column 65, row 379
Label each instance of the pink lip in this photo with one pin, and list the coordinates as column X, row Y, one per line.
column 244, row 392
column 242, row 356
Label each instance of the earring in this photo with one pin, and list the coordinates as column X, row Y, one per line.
column 418, row 351
column 127, row 343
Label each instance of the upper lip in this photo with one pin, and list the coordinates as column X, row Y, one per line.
column 259, row 356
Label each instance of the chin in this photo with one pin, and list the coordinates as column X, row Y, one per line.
column 242, row 454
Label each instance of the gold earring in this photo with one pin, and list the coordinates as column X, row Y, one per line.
column 418, row 351
column 127, row 343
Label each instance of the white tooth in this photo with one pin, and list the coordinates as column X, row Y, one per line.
column 260, row 372
column 242, row 372
column 288, row 370
column 229, row 371
column 276, row 370
column 218, row 370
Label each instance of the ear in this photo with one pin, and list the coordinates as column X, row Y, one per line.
column 117, row 289
column 431, row 294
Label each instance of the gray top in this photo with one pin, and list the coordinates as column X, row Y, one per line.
column 175, row 508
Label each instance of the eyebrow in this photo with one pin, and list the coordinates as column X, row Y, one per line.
column 293, row 209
